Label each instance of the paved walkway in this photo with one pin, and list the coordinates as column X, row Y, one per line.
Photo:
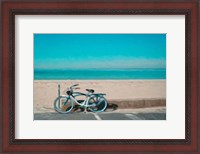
column 154, row 113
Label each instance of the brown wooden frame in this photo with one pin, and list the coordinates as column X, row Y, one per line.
column 7, row 69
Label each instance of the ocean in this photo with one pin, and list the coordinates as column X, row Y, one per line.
column 99, row 74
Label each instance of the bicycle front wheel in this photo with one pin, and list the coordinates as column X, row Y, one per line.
column 97, row 104
column 63, row 104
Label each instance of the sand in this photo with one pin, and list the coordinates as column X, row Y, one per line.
column 46, row 91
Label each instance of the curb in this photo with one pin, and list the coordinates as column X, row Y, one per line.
column 138, row 103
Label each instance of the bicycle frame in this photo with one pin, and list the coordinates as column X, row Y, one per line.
column 84, row 103
column 92, row 101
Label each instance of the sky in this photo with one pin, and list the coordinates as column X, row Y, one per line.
column 83, row 51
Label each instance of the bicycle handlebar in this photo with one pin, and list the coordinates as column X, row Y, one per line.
column 73, row 86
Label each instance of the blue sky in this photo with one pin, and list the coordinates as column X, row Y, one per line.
column 82, row 51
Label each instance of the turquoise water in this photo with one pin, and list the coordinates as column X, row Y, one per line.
column 99, row 74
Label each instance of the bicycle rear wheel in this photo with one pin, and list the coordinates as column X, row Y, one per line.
column 63, row 104
column 97, row 103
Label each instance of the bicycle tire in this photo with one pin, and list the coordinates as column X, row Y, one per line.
column 63, row 104
column 99, row 105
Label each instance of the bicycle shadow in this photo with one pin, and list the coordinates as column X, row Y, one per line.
column 110, row 107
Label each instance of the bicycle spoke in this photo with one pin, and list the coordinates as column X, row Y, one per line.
column 63, row 104
column 100, row 105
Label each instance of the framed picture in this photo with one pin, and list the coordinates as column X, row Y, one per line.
column 100, row 76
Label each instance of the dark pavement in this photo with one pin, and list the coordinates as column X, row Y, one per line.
column 158, row 113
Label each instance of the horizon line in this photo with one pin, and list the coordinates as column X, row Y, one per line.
column 98, row 68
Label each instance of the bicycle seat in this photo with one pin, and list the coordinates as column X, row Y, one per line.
column 90, row 90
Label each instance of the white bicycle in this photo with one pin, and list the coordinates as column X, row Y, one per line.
column 95, row 102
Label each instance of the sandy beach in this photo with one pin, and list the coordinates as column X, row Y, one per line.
column 46, row 91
